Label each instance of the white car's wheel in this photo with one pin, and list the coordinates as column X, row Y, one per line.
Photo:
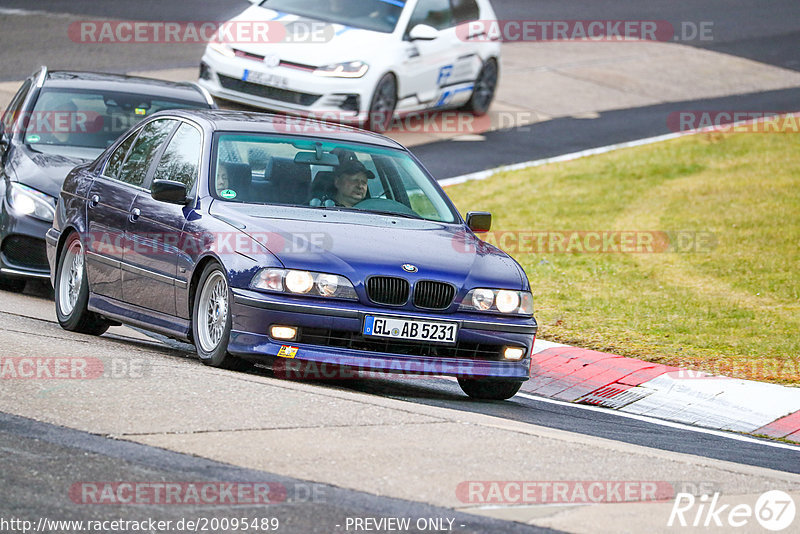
column 384, row 101
column 485, row 87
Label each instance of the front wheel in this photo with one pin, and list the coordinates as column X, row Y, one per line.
column 211, row 320
column 485, row 87
column 384, row 100
column 487, row 389
column 72, row 292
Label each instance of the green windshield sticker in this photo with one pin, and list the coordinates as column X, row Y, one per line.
column 227, row 193
column 140, row 111
column 33, row 138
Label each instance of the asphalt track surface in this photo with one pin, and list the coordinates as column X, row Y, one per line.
column 60, row 457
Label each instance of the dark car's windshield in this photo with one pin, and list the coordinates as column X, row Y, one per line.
column 90, row 119
column 268, row 169
column 377, row 15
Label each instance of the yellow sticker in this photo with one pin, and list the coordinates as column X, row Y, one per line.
column 140, row 111
column 287, row 351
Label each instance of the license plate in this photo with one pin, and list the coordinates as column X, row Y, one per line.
column 395, row 328
column 262, row 78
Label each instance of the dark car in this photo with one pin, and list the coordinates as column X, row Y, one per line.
column 57, row 120
column 228, row 229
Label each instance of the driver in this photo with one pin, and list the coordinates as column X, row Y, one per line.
column 351, row 183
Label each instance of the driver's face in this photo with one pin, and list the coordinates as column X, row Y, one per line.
column 352, row 188
column 222, row 179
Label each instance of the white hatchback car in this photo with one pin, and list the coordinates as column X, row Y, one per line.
column 356, row 61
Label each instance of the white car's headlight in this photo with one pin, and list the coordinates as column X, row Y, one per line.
column 350, row 69
column 25, row 200
column 222, row 48
column 499, row 301
column 304, row 283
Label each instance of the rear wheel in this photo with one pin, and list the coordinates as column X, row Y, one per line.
column 486, row 389
column 72, row 291
column 211, row 320
column 485, row 87
column 384, row 100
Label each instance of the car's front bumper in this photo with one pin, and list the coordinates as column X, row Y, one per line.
column 300, row 93
column 22, row 246
column 330, row 334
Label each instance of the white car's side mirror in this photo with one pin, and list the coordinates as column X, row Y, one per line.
column 423, row 32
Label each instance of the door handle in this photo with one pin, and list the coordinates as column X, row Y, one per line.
column 94, row 201
column 135, row 213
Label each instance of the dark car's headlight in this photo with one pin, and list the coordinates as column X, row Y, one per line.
column 25, row 200
column 499, row 301
column 304, row 283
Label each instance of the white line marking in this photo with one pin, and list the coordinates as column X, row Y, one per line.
column 32, row 13
column 661, row 422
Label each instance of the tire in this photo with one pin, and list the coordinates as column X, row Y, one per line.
column 15, row 285
column 211, row 320
column 485, row 87
column 384, row 101
column 72, row 291
column 486, row 389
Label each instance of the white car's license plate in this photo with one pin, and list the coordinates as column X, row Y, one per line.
column 413, row 329
column 263, row 78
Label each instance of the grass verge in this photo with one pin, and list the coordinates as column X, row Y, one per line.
column 709, row 278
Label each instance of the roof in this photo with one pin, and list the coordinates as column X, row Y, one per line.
column 123, row 83
column 251, row 121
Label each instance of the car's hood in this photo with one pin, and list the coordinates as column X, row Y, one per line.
column 43, row 171
column 342, row 43
column 359, row 245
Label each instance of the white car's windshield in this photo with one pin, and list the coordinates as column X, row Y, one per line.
column 376, row 15
column 266, row 169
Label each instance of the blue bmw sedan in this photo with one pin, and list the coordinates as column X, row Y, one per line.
column 290, row 242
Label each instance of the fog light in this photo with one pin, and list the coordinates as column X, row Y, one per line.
column 283, row 332
column 513, row 353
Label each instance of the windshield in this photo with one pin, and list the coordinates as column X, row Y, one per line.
column 376, row 15
column 89, row 119
column 265, row 169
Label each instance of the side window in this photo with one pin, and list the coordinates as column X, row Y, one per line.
column 16, row 103
column 144, row 150
column 436, row 13
column 114, row 163
column 465, row 10
column 181, row 159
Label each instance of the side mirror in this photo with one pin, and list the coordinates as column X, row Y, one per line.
column 479, row 221
column 168, row 191
column 423, row 32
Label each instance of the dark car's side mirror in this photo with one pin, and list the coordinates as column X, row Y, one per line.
column 169, row 191
column 479, row 221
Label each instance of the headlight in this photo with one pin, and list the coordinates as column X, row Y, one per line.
column 25, row 200
column 222, row 48
column 351, row 69
column 499, row 301
column 304, row 283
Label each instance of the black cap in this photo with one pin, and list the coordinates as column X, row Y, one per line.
column 352, row 167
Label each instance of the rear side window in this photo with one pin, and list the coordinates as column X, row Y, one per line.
column 114, row 164
column 144, row 151
column 436, row 13
column 12, row 112
column 181, row 159
column 465, row 10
